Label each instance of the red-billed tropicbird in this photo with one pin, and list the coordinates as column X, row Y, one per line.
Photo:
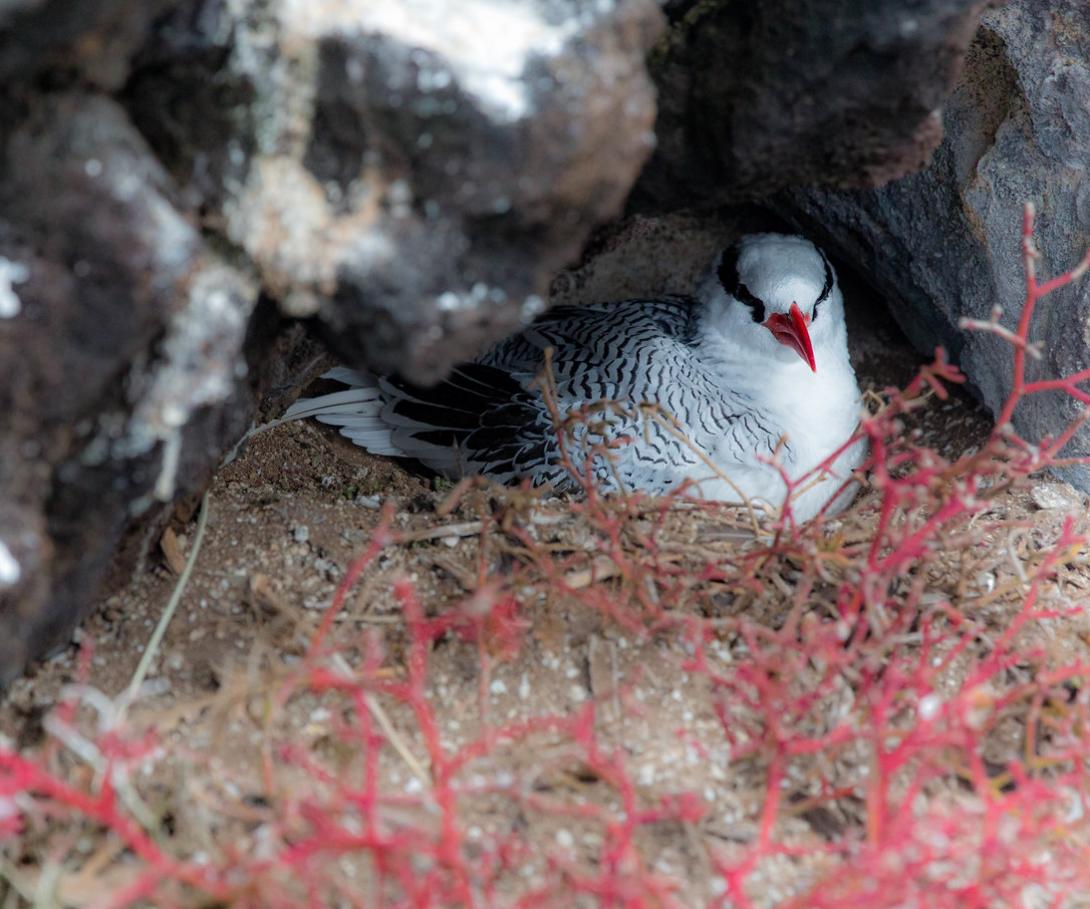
column 710, row 390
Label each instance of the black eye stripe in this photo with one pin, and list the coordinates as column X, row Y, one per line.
column 828, row 286
column 757, row 308
column 732, row 284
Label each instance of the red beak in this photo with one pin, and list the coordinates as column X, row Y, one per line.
column 791, row 331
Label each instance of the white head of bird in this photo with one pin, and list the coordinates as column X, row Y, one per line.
column 775, row 297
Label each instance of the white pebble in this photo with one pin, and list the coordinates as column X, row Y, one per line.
column 1056, row 496
column 11, row 273
column 10, row 571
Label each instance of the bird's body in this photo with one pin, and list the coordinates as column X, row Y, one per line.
column 651, row 395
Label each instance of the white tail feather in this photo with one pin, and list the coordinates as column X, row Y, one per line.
column 352, row 396
column 348, row 377
column 363, row 399
column 360, row 412
column 353, row 421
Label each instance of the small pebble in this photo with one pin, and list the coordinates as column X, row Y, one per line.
column 929, row 706
column 1055, row 496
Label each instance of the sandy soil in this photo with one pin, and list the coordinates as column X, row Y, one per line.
column 288, row 517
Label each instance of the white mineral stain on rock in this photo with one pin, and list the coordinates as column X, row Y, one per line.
column 11, row 273
column 10, row 571
column 485, row 47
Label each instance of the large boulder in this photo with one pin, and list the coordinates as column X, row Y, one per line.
column 945, row 243
column 407, row 179
column 72, row 40
column 121, row 340
column 176, row 176
column 410, row 179
column 755, row 97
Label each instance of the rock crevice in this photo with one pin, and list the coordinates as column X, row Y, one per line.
column 179, row 179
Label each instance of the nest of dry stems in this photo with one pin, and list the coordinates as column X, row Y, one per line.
column 888, row 708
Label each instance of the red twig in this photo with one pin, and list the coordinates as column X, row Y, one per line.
column 853, row 659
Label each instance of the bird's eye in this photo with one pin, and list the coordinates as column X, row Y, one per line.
column 732, row 284
column 826, row 289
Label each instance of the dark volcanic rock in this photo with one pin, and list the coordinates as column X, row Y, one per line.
column 755, row 97
column 944, row 243
column 120, row 331
column 411, row 179
column 91, row 41
column 409, row 175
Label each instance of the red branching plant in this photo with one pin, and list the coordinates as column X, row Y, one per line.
column 886, row 678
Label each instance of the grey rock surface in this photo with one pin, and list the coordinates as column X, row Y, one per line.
column 121, row 341
column 179, row 177
column 755, row 97
column 91, row 42
column 409, row 178
column 175, row 177
column 945, row 243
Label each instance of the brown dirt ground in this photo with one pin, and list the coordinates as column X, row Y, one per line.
column 287, row 518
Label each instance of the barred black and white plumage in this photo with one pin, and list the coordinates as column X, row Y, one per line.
column 702, row 390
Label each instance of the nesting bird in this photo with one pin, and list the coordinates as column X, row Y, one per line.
column 721, row 393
